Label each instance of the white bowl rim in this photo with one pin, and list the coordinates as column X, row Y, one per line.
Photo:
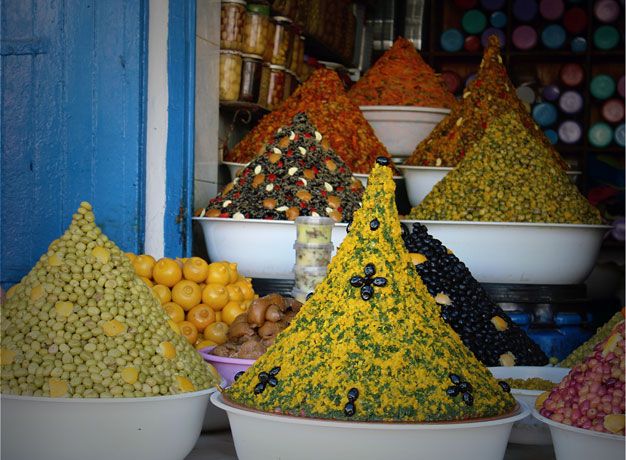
column 571, row 172
column 521, row 412
column 357, row 175
column 575, row 429
column 263, row 221
column 507, row 224
column 523, row 391
column 363, row 175
column 190, row 394
column 205, row 353
column 404, row 108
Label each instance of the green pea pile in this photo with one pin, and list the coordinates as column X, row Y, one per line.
column 507, row 176
column 81, row 324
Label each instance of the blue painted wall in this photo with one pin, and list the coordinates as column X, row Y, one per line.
column 73, row 123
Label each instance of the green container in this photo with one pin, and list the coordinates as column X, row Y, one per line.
column 474, row 22
column 606, row 37
column 602, row 86
column 600, row 135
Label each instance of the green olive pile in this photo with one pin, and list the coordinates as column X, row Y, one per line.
column 507, row 176
column 81, row 324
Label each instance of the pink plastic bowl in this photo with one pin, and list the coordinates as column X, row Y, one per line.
column 227, row 367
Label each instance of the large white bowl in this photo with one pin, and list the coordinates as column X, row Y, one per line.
column 151, row 428
column 261, row 248
column 262, row 436
column 572, row 443
column 214, row 418
column 519, row 252
column 420, row 180
column 401, row 128
column 529, row 430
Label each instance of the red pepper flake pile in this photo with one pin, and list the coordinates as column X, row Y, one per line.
column 401, row 77
column 324, row 100
column 488, row 96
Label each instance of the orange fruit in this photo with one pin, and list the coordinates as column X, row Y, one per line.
column 200, row 344
column 163, row 293
column 232, row 271
column 130, row 256
column 196, row 269
column 245, row 285
column 174, row 311
column 218, row 316
column 216, row 332
column 231, row 311
column 201, row 316
column 189, row 331
column 187, row 294
column 143, row 265
column 148, row 281
column 218, row 273
column 215, row 296
column 234, row 293
column 167, row 272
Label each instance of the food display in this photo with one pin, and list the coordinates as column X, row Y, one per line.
column 256, row 29
column 314, row 230
column 489, row 95
column 481, row 324
column 81, row 324
column 401, row 77
column 230, row 75
column 272, row 88
column 534, row 383
column 279, row 41
column 591, row 396
column 251, row 70
column 323, row 99
column 231, row 24
column 296, row 174
column 507, row 176
column 369, row 344
column 297, row 54
column 601, row 334
column 253, row 332
column 317, row 255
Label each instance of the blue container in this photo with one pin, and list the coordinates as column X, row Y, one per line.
column 520, row 318
column 572, row 332
column 451, row 40
column 498, row 19
column 552, row 136
column 553, row 37
column 578, row 44
column 549, row 340
column 544, row 114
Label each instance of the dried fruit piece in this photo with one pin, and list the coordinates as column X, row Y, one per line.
column 113, row 328
column 101, row 254
column 167, row 350
column 507, row 359
column 63, row 308
column 418, row 258
column 614, row 422
column 443, row 299
column 184, row 384
column 499, row 323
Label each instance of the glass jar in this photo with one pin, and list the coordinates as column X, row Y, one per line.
column 230, row 75
column 291, row 83
column 297, row 53
column 251, row 69
column 279, row 44
column 231, row 24
column 272, row 88
column 256, row 29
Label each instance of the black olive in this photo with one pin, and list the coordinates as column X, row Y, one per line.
column 348, row 227
column 370, row 270
column 353, row 394
column 374, row 224
column 452, row 391
column 263, row 377
column 468, row 399
column 505, row 386
column 455, row 379
column 272, row 381
column 380, row 281
column 383, row 161
column 349, row 409
column 367, row 292
column 275, row 370
column 237, row 375
column 259, row 388
column 357, row 281
column 466, row 386
column 308, row 296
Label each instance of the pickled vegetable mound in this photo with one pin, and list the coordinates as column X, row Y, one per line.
column 482, row 325
column 81, row 324
column 507, row 177
column 369, row 344
column 401, row 77
column 297, row 174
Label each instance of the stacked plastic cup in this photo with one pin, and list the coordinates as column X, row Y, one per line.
column 314, row 250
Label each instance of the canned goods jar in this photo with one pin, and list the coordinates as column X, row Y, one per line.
column 251, row 69
column 316, row 230
column 278, row 44
column 307, row 278
column 231, row 24
column 256, row 29
column 297, row 53
column 272, row 88
column 291, row 82
column 230, row 75
column 313, row 255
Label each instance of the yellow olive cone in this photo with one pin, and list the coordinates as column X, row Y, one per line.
column 394, row 348
column 83, row 324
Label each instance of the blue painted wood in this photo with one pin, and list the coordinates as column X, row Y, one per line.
column 73, row 123
column 180, row 139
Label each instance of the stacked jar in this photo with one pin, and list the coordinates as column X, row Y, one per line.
column 314, row 250
column 232, row 15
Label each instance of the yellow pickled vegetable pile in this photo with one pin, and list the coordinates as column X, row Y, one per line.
column 81, row 324
column 202, row 299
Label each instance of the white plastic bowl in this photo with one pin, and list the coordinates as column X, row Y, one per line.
column 215, row 419
column 521, row 253
column 420, row 180
column 401, row 128
column 572, row 443
column 262, row 436
column 261, row 248
column 151, row 428
column 529, row 430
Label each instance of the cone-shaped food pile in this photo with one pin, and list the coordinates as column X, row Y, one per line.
column 591, row 396
column 82, row 324
column 482, row 325
column 507, row 177
column 324, row 100
column 369, row 344
column 401, row 77
column 488, row 96
column 297, row 174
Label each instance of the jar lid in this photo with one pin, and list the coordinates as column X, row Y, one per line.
column 553, row 36
column 524, row 37
column 258, row 8
column 498, row 19
column 252, row 56
column 572, row 74
column 606, row 10
column 570, row 132
column 578, row 44
column 484, row 38
column 238, row 53
column 238, row 2
column 571, row 102
column 551, row 92
column 474, row 21
column 472, row 43
column 613, row 110
column 544, row 114
column 602, row 86
column 552, row 136
column 274, row 66
column 525, row 10
column 282, row 19
column 525, row 93
column 600, row 134
column 606, row 37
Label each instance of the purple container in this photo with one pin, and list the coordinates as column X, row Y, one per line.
column 620, row 86
column 484, row 38
column 613, row 110
column 606, row 10
column 226, row 367
column 492, row 5
column 525, row 10
column 551, row 93
column 571, row 102
column 524, row 37
column 570, row 132
column 551, row 9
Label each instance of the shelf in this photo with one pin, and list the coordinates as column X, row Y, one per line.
column 238, row 105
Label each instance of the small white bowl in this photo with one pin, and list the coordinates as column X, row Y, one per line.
column 572, row 443
column 151, row 428
column 261, row 248
column 529, row 430
column 401, row 128
column 420, row 180
column 520, row 252
column 259, row 436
